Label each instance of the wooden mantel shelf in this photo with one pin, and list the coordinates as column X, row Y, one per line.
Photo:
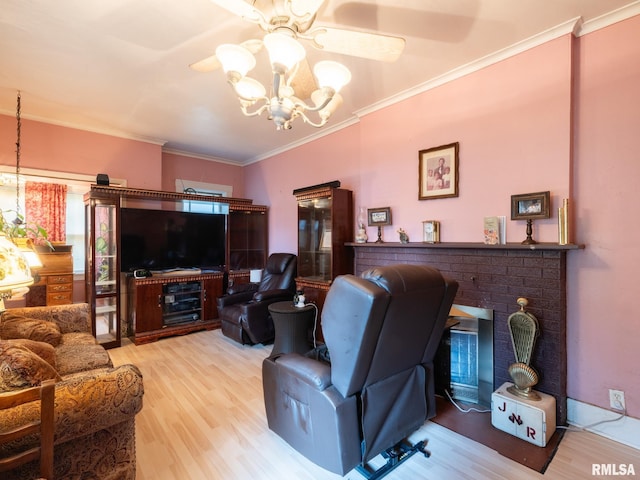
column 468, row 245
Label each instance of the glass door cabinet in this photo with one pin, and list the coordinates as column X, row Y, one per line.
column 102, row 272
column 325, row 224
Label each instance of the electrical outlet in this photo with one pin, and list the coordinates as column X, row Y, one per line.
column 616, row 400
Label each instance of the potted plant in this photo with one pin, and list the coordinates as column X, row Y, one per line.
column 20, row 232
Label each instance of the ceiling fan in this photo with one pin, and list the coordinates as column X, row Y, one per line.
column 297, row 18
column 285, row 22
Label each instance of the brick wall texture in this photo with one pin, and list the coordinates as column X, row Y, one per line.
column 494, row 278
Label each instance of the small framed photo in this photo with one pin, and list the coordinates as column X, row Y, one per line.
column 438, row 172
column 529, row 206
column 379, row 216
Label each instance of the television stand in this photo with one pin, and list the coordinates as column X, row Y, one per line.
column 176, row 272
column 174, row 304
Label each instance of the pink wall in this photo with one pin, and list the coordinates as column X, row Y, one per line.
column 200, row 170
column 502, row 152
column 50, row 147
column 603, row 327
column 143, row 165
column 514, row 124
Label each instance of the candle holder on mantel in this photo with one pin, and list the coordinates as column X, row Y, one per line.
column 529, row 207
column 361, row 235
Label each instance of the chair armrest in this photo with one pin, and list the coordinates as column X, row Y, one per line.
column 70, row 318
column 273, row 295
column 232, row 299
column 242, row 287
column 310, row 371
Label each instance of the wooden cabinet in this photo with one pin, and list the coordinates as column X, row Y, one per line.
column 212, row 288
column 59, row 289
column 247, row 237
column 325, row 224
column 162, row 306
column 54, row 280
column 102, row 266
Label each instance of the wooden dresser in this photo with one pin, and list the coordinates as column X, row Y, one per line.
column 54, row 284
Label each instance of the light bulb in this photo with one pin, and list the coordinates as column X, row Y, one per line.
column 331, row 74
column 283, row 50
column 235, row 58
column 250, row 88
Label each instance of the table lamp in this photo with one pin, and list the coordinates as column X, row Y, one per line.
column 15, row 274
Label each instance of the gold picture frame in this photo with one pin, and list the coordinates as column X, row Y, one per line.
column 438, row 172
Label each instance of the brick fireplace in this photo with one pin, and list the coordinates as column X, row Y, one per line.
column 493, row 277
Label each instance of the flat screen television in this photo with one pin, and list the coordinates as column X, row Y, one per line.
column 164, row 240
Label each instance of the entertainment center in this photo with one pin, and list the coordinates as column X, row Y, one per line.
column 161, row 306
column 154, row 268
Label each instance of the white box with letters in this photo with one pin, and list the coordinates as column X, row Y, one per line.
column 530, row 420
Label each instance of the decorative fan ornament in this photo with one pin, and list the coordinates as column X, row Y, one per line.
column 523, row 327
column 295, row 92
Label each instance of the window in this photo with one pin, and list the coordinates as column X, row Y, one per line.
column 78, row 185
column 206, row 189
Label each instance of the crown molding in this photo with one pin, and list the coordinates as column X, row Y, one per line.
column 84, row 128
column 198, row 156
column 615, row 16
column 320, row 133
column 565, row 28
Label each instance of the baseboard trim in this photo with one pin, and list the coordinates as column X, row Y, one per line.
column 623, row 431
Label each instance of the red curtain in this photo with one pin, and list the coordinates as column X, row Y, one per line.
column 46, row 206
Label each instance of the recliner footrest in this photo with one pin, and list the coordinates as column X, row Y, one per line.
column 395, row 456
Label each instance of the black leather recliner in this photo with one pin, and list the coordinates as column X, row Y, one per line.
column 244, row 312
column 381, row 333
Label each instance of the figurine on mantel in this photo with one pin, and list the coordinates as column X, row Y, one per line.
column 404, row 238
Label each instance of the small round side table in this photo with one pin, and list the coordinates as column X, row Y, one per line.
column 292, row 325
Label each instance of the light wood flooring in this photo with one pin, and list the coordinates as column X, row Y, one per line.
column 203, row 418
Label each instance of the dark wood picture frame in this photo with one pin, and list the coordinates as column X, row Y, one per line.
column 530, row 206
column 379, row 217
column 438, row 172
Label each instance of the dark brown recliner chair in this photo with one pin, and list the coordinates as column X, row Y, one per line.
column 380, row 331
column 244, row 312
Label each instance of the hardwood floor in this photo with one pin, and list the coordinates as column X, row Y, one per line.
column 203, row 418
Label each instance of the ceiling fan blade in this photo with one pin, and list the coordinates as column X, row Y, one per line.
column 373, row 46
column 241, row 8
column 208, row 64
column 212, row 63
column 304, row 83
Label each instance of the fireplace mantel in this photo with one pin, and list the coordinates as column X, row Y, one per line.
column 467, row 245
column 493, row 277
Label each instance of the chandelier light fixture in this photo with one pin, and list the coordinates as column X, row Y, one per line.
column 295, row 91
column 283, row 103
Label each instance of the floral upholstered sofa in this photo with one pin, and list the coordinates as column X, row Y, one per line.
column 95, row 403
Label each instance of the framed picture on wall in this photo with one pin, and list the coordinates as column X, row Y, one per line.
column 438, row 172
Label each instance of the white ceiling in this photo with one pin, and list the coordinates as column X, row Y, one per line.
column 122, row 66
